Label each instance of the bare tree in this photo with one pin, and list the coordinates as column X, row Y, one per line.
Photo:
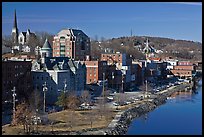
column 73, row 103
column 23, row 116
column 100, row 103
column 86, row 97
column 7, row 41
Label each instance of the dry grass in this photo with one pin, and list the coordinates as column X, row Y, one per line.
column 12, row 130
column 80, row 120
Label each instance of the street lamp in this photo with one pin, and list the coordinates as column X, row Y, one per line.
column 112, row 79
column 65, row 85
column 44, row 90
column 14, row 101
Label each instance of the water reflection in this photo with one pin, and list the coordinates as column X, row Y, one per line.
column 181, row 115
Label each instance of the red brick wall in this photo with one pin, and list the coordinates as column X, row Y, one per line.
column 186, row 73
column 185, row 63
column 115, row 57
column 190, row 67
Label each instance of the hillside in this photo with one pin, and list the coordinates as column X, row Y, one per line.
column 180, row 49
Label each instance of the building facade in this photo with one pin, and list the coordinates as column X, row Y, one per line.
column 95, row 70
column 119, row 59
column 123, row 63
column 58, row 72
column 16, row 72
column 71, row 43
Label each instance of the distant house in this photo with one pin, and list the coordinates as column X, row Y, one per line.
column 24, row 37
column 26, row 48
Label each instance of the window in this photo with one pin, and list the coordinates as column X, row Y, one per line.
column 62, row 48
column 82, row 45
column 62, row 38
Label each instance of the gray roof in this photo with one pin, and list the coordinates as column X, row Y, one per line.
column 74, row 32
column 72, row 66
column 46, row 45
column 55, row 62
column 24, row 33
column 61, row 63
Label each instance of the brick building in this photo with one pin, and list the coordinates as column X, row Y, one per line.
column 184, row 70
column 16, row 73
column 95, row 70
column 124, row 70
column 182, row 63
column 71, row 43
column 119, row 59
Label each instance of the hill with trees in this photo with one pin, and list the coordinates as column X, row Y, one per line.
column 180, row 49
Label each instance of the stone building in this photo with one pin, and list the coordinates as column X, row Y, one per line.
column 58, row 72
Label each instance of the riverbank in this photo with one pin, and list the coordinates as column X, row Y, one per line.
column 120, row 124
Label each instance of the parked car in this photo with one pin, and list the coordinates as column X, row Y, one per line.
column 115, row 104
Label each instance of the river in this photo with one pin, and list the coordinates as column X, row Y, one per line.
column 181, row 115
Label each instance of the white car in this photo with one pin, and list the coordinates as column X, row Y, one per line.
column 115, row 104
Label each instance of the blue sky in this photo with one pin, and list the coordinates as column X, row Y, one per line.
column 176, row 20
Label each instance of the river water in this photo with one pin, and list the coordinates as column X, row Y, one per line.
column 179, row 116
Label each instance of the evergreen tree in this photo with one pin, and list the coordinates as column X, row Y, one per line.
column 62, row 100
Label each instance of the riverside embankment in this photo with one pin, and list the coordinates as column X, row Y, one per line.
column 122, row 120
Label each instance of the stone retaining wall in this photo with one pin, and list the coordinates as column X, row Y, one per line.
column 120, row 126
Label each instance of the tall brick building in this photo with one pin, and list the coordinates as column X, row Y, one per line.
column 71, row 43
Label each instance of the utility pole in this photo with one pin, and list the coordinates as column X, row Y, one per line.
column 103, row 90
column 14, row 102
column 146, row 90
column 44, row 90
column 122, row 82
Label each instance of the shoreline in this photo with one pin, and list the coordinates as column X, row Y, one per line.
column 120, row 124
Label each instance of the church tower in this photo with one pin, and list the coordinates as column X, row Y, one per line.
column 15, row 30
